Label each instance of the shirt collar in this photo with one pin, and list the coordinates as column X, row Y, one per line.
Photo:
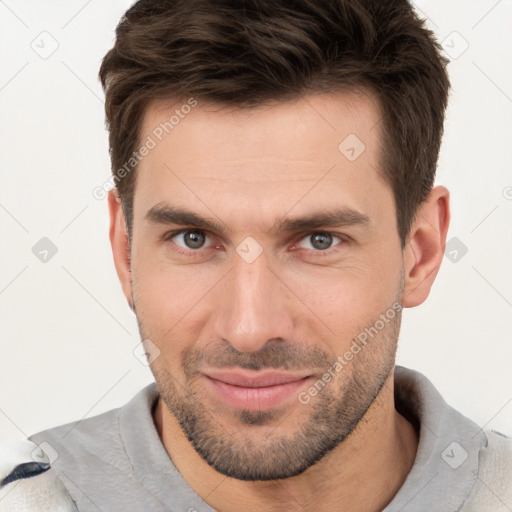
column 445, row 469
column 443, row 475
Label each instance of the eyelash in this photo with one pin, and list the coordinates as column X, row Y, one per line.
column 196, row 253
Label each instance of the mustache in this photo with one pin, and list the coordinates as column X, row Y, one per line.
column 278, row 355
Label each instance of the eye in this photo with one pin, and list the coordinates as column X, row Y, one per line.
column 191, row 239
column 319, row 241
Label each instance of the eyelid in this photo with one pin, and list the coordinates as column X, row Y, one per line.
column 169, row 235
column 344, row 239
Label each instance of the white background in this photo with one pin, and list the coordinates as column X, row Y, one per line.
column 67, row 334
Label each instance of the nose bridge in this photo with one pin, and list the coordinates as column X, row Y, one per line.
column 252, row 308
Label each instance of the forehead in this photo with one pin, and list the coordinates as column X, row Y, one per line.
column 322, row 147
column 276, row 129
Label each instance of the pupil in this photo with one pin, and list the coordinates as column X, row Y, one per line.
column 194, row 239
column 324, row 240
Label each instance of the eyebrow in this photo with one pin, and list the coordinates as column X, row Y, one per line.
column 163, row 213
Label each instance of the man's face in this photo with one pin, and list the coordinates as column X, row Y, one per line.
column 252, row 297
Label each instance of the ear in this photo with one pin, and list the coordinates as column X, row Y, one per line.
column 120, row 246
column 425, row 246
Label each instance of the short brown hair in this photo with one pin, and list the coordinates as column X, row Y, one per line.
column 243, row 53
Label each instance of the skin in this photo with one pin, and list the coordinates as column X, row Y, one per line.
column 296, row 306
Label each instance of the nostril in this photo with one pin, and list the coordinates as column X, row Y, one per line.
column 26, row 470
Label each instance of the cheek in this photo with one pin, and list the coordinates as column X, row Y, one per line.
column 351, row 296
column 166, row 307
column 349, row 285
column 168, row 297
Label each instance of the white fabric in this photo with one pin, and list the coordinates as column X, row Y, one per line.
column 493, row 488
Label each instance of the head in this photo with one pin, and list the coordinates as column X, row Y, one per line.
column 274, row 166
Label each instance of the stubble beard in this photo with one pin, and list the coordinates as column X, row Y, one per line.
column 333, row 413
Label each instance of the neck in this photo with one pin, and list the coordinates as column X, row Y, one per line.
column 363, row 473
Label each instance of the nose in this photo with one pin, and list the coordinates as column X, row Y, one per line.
column 254, row 306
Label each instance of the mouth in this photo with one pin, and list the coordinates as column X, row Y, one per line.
column 255, row 391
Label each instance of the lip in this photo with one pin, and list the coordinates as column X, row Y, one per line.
column 255, row 391
column 257, row 379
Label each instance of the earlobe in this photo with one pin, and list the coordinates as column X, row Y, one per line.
column 120, row 245
column 424, row 250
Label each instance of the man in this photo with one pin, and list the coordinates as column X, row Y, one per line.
column 273, row 213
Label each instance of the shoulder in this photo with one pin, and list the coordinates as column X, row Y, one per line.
column 83, row 443
column 493, row 487
column 91, row 456
column 100, row 440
